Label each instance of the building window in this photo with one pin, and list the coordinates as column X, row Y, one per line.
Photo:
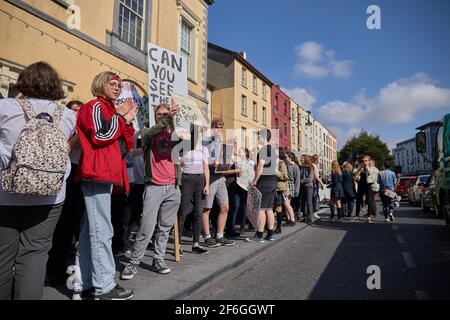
column 264, row 92
column 293, row 114
column 293, row 135
column 131, row 22
column 244, row 77
column 264, row 116
column 243, row 137
column 244, row 105
column 255, row 85
column 255, row 111
column 285, row 108
column 187, row 46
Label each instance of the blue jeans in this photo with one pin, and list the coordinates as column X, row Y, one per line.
column 238, row 206
column 95, row 266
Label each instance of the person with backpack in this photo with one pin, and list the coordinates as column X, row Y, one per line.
column 387, row 180
column 34, row 165
column 106, row 136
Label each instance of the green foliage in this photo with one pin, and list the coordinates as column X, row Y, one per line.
column 366, row 144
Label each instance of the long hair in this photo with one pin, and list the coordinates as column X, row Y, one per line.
column 335, row 168
column 308, row 162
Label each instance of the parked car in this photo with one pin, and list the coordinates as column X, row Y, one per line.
column 428, row 195
column 403, row 185
column 416, row 189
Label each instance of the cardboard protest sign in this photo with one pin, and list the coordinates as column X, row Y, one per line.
column 247, row 175
column 167, row 73
column 129, row 91
column 254, row 198
column 189, row 113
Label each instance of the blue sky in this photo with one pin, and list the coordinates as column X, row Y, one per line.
column 386, row 81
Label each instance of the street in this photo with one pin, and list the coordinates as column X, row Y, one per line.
column 330, row 261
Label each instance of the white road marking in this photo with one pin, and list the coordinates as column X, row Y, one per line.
column 408, row 260
column 422, row 295
column 400, row 239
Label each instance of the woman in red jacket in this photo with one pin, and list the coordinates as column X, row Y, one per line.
column 106, row 135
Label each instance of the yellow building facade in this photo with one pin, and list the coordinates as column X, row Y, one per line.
column 241, row 95
column 81, row 38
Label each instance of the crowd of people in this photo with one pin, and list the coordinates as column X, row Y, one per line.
column 122, row 189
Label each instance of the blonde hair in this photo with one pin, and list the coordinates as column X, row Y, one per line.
column 348, row 166
column 338, row 168
column 99, row 82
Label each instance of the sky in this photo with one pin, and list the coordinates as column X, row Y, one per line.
column 387, row 81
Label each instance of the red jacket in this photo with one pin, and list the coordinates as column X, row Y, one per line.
column 104, row 136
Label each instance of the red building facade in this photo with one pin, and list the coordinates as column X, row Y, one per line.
column 281, row 116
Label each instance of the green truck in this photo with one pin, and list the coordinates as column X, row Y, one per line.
column 440, row 151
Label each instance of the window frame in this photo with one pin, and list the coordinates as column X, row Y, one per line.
column 120, row 15
column 244, row 105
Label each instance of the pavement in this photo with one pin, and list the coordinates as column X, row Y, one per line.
column 190, row 274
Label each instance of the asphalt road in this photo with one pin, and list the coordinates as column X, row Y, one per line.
column 330, row 261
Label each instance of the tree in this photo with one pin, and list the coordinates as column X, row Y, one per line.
column 366, row 144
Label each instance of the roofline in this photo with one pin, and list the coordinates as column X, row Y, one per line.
column 409, row 140
column 238, row 57
column 429, row 124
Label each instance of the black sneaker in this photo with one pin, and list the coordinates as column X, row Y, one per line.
column 159, row 266
column 211, row 243
column 269, row 238
column 117, row 293
column 129, row 272
column 289, row 224
column 225, row 242
column 199, row 250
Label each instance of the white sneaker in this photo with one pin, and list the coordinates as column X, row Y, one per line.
column 387, row 220
column 316, row 216
column 391, row 216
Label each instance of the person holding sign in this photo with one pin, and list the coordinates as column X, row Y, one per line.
column 106, row 136
column 162, row 195
column 245, row 173
column 195, row 185
column 266, row 182
column 217, row 187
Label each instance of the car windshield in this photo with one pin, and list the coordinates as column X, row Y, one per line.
column 407, row 181
column 423, row 179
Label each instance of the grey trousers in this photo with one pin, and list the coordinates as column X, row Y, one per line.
column 26, row 234
column 161, row 205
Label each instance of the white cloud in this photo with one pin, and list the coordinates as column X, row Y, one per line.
column 398, row 102
column 316, row 62
column 343, row 135
column 301, row 96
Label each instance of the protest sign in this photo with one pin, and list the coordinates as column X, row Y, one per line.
column 129, row 91
column 254, row 198
column 247, row 175
column 189, row 113
column 167, row 73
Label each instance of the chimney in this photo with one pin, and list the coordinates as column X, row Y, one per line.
column 243, row 54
